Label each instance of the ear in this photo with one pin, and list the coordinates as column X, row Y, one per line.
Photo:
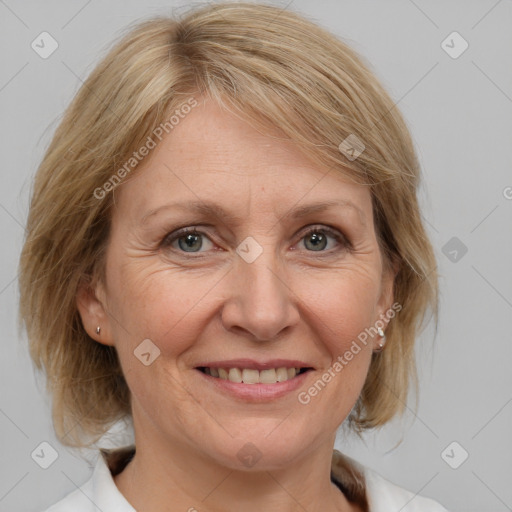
column 386, row 298
column 91, row 304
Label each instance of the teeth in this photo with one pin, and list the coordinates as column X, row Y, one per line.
column 269, row 376
column 282, row 374
column 252, row 376
column 235, row 375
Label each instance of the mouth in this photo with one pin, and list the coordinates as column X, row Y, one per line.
column 242, row 375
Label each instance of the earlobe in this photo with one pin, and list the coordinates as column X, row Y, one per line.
column 93, row 313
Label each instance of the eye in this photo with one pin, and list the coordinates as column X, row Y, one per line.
column 318, row 239
column 187, row 240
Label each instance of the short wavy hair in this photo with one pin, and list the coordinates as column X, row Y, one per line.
column 273, row 68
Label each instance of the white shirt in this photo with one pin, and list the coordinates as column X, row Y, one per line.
column 100, row 493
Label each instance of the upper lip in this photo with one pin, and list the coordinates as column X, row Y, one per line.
column 255, row 365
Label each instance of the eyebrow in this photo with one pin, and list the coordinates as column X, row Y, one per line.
column 214, row 210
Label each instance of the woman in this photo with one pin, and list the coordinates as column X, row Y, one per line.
column 224, row 246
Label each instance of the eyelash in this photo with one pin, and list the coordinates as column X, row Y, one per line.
column 345, row 244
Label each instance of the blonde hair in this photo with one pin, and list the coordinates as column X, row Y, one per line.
column 272, row 67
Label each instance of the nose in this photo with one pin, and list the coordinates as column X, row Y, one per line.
column 260, row 301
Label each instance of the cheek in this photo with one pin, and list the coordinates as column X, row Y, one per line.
column 165, row 305
column 170, row 309
column 338, row 315
column 341, row 307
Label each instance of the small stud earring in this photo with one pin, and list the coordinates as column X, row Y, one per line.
column 98, row 329
column 382, row 342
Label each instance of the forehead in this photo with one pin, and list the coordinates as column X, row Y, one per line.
column 213, row 155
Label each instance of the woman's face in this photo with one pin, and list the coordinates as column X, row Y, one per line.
column 254, row 283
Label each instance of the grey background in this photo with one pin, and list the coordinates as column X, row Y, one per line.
column 459, row 112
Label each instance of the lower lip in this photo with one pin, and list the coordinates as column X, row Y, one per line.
column 256, row 392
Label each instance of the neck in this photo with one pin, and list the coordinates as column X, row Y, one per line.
column 156, row 478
